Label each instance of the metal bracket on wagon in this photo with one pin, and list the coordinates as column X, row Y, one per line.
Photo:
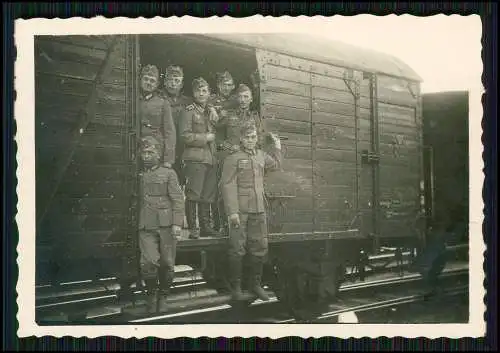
column 369, row 157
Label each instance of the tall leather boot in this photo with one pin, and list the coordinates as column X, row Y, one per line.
column 192, row 216
column 166, row 280
column 153, row 300
column 220, row 222
column 257, row 265
column 216, row 216
column 224, row 227
column 235, row 271
column 205, row 221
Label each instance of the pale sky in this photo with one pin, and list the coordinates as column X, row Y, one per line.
column 444, row 50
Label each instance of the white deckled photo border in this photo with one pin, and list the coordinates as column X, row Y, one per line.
column 26, row 30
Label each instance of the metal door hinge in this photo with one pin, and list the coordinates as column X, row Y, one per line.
column 369, row 157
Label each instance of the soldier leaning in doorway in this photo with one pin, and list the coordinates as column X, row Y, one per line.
column 160, row 221
column 228, row 128
column 225, row 98
column 243, row 193
column 197, row 130
column 173, row 85
column 156, row 114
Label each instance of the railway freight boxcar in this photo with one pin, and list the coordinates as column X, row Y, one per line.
column 446, row 161
column 351, row 124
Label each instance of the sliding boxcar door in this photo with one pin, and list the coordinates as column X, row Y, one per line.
column 285, row 105
column 400, row 175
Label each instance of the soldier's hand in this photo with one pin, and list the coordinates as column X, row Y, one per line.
column 213, row 116
column 176, row 230
column 235, row 220
column 276, row 140
column 210, row 137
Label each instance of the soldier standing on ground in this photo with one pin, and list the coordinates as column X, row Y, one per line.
column 243, row 192
column 200, row 165
column 173, row 84
column 160, row 221
column 229, row 127
column 156, row 114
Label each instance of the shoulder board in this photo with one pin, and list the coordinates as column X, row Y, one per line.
column 190, row 107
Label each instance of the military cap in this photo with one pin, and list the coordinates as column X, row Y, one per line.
column 174, row 70
column 247, row 128
column 223, row 76
column 199, row 82
column 150, row 70
column 149, row 143
column 243, row 88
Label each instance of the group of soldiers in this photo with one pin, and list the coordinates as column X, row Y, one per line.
column 201, row 161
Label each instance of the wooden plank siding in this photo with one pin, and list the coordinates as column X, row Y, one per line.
column 400, row 149
column 89, row 197
column 313, row 107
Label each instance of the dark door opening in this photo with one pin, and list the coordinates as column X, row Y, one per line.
column 199, row 57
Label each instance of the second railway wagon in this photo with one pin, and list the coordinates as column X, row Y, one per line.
column 351, row 123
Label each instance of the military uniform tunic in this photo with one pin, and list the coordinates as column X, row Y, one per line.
column 162, row 205
column 157, row 121
column 199, row 154
column 221, row 103
column 230, row 125
column 178, row 104
column 243, row 192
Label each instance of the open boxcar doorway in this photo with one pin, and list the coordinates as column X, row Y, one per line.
column 199, row 57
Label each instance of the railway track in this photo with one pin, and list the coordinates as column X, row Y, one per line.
column 373, row 295
column 200, row 304
column 96, row 298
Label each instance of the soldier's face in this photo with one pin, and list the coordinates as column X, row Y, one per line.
column 150, row 157
column 249, row 140
column 244, row 99
column 149, row 83
column 174, row 84
column 201, row 94
column 226, row 87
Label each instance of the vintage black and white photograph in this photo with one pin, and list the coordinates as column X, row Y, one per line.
column 294, row 176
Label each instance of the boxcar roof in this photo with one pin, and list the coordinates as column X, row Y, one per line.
column 323, row 50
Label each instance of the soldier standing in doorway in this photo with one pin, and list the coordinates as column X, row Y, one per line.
column 229, row 127
column 156, row 114
column 243, row 193
column 173, row 84
column 197, row 128
column 223, row 101
column 160, row 221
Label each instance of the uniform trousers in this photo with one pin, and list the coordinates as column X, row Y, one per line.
column 250, row 236
column 201, row 182
column 158, row 250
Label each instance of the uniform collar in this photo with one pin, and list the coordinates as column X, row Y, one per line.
column 250, row 152
column 199, row 108
column 148, row 96
column 171, row 97
column 245, row 112
column 152, row 169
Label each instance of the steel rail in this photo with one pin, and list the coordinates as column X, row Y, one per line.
column 91, row 301
column 273, row 299
column 382, row 304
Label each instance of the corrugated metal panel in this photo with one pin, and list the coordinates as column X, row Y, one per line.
column 322, row 50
